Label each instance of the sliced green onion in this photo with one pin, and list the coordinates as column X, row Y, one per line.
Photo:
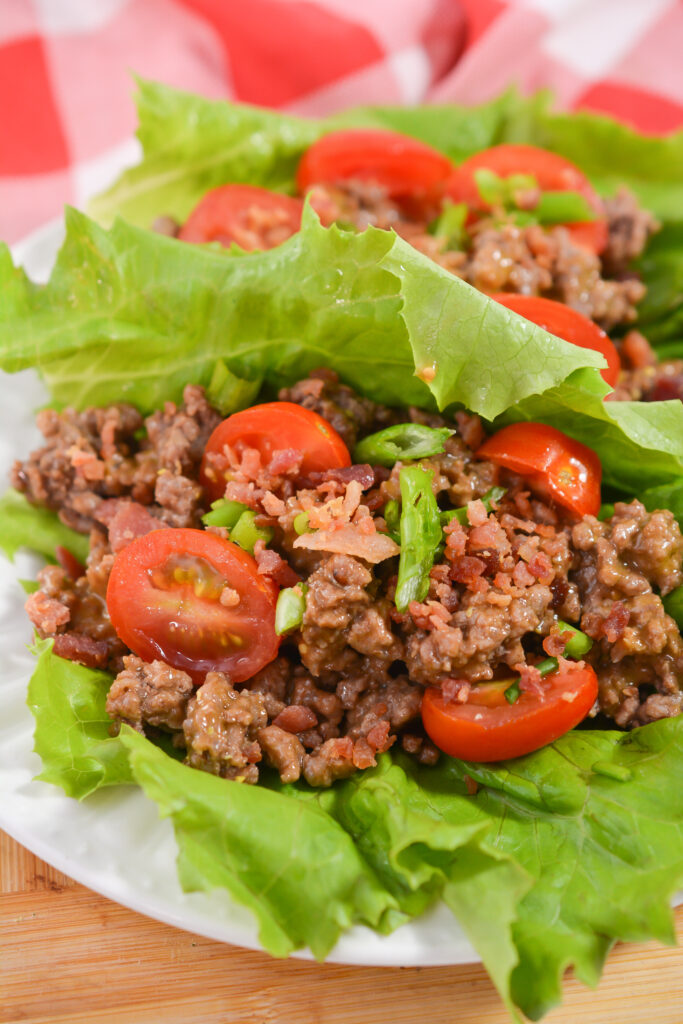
column 612, row 771
column 245, row 532
column 578, row 644
column 227, row 392
column 512, row 692
column 421, row 535
column 290, row 608
column 300, row 523
column 392, row 517
column 491, row 497
column 402, row 441
column 450, row 224
column 490, row 186
column 224, row 513
column 562, row 208
column 606, row 512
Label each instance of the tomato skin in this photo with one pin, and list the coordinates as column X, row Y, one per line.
column 270, row 427
column 560, row 468
column 222, row 215
column 405, row 166
column 492, row 730
column 552, row 172
column 566, row 323
column 181, row 621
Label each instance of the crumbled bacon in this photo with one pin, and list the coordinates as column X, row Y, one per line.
column 529, row 679
column 296, row 718
column 455, row 690
column 467, row 570
column 615, row 623
column 273, row 565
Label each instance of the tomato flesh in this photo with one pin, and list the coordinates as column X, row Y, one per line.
column 568, row 324
column 403, row 165
column 194, row 600
column 560, row 468
column 273, row 427
column 252, row 217
column 487, row 728
column 553, row 174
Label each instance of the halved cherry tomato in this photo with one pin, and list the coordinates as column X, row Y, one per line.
column 487, row 728
column 235, row 213
column 195, row 601
column 562, row 469
column 405, row 166
column 272, row 427
column 553, row 174
column 566, row 323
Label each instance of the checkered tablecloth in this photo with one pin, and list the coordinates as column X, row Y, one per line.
column 67, row 116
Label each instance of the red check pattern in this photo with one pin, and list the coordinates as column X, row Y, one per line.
column 67, row 119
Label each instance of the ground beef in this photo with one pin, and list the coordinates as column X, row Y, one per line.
column 221, row 728
column 283, row 751
column 350, row 415
column 629, row 228
column 147, row 693
column 341, row 617
column 638, row 650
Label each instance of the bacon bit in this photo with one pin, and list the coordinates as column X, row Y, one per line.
column 488, row 535
column 350, row 540
column 559, row 589
column 476, row 513
column 378, row 737
column 456, row 539
column 363, row 754
column 470, row 785
column 362, row 473
column 271, row 564
column 273, row 505
column 351, row 499
column 541, row 567
column 296, row 718
column 522, row 576
column 511, row 522
column 126, row 521
column 470, row 429
column 455, row 690
column 229, row 597
column 366, row 525
column 530, row 679
column 69, row 563
column 615, row 623
column 427, row 373
column 467, row 570
column 81, row 648
column 636, row 351
column 555, row 643
column 503, row 582
column 527, row 548
column 286, row 462
column 340, row 748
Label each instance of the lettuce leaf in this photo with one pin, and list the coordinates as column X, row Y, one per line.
column 40, row 529
column 557, row 855
column 129, row 315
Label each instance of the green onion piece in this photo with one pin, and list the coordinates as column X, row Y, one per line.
column 512, row 692
column 673, row 605
column 403, row 441
column 224, row 513
column 562, row 208
column 547, row 666
column 578, row 644
column 606, row 512
column 490, row 186
column 494, row 495
column 421, row 534
column 300, row 523
column 392, row 517
column 229, row 393
column 450, row 224
column 246, row 533
column 290, row 608
column 612, row 771
column 519, row 183
column 29, row 586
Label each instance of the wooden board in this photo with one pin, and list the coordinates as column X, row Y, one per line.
column 69, row 956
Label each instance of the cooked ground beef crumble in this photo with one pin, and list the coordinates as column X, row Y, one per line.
column 347, row 684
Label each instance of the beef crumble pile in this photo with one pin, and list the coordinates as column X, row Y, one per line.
column 348, row 683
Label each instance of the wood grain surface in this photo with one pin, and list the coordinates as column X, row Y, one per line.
column 69, row 956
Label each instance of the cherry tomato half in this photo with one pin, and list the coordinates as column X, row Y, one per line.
column 252, row 217
column 272, row 427
column 487, row 728
column 405, row 166
column 195, row 601
column 566, row 323
column 562, row 469
column 551, row 171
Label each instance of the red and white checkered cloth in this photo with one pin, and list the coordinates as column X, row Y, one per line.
column 67, row 115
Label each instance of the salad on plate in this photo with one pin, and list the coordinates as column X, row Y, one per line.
column 363, row 533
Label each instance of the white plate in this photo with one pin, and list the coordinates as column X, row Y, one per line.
column 113, row 842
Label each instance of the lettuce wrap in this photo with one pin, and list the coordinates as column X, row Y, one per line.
column 556, row 855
